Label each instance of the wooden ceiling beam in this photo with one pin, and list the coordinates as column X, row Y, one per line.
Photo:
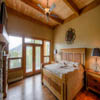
column 34, row 5
column 90, row 6
column 72, row 6
column 84, row 10
column 70, row 18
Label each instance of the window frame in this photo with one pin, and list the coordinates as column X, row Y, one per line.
column 34, row 41
column 28, row 42
column 15, row 58
column 49, row 56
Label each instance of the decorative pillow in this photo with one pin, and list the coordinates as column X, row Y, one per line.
column 63, row 62
column 70, row 63
column 74, row 66
column 76, row 63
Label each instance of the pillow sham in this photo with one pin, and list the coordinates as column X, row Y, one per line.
column 69, row 63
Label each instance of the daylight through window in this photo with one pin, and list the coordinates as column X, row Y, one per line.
column 15, row 52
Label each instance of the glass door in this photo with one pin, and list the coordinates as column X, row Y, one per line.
column 38, row 52
column 29, row 59
column 33, row 54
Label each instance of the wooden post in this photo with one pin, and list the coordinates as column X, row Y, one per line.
column 42, row 73
column 64, row 87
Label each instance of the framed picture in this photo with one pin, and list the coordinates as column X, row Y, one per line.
column 70, row 36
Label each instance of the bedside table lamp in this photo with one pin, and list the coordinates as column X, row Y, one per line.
column 96, row 53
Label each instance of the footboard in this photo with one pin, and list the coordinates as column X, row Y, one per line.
column 65, row 88
column 54, row 83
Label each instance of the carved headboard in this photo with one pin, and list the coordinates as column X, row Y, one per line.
column 74, row 54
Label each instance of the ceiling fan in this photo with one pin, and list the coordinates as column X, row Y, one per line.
column 48, row 10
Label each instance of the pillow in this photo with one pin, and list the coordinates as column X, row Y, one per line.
column 73, row 64
column 76, row 63
column 70, row 63
column 63, row 62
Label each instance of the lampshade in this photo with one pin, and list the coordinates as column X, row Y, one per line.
column 96, row 52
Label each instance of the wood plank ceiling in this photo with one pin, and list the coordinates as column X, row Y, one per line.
column 64, row 10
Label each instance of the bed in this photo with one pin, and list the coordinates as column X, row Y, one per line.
column 67, row 85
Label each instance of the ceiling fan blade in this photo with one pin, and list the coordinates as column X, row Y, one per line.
column 40, row 15
column 40, row 6
column 52, row 7
column 54, row 15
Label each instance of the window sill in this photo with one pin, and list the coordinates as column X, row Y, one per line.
column 14, row 69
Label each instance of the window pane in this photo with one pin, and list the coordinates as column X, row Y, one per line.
column 46, row 48
column 28, row 40
column 15, row 63
column 29, row 59
column 46, row 59
column 15, row 46
column 37, row 58
column 38, row 41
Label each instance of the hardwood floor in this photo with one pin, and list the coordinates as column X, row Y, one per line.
column 31, row 89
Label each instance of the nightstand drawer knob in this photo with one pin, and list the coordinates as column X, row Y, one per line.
column 95, row 81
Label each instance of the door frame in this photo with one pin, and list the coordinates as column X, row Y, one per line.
column 33, row 55
column 29, row 73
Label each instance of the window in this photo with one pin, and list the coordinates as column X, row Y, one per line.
column 35, row 41
column 28, row 40
column 15, row 63
column 37, row 57
column 15, row 52
column 46, row 51
column 29, row 59
column 15, row 46
column 38, row 41
column 46, row 59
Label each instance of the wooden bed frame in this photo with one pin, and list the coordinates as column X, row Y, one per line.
column 59, row 86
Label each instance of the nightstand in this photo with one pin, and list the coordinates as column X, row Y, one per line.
column 93, row 81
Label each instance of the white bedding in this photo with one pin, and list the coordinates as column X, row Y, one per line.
column 62, row 68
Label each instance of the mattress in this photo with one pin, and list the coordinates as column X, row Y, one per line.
column 62, row 68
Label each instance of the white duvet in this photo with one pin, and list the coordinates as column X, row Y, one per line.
column 62, row 68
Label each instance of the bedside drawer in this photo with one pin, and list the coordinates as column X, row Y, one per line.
column 93, row 82
column 94, row 78
column 94, row 86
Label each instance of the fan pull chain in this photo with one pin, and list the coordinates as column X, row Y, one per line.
column 47, row 3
